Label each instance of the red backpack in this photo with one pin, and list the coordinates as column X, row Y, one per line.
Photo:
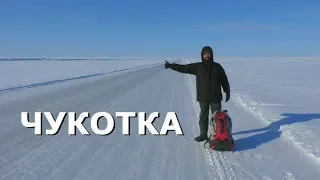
column 221, row 132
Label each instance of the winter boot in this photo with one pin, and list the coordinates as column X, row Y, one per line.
column 203, row 132
column 201, row 137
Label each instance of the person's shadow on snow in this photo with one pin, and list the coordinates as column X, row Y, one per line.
column 270, row 132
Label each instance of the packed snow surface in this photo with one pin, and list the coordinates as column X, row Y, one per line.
column 274, row 107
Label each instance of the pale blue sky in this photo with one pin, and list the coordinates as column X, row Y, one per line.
column 164, row 28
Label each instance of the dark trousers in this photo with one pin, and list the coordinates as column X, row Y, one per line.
column 204, row 115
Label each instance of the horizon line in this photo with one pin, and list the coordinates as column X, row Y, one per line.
column 146, row 58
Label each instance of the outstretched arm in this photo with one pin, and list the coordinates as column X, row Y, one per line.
column 183, row 68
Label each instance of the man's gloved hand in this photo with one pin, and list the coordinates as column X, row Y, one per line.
column 167, row 65
column 227, row 97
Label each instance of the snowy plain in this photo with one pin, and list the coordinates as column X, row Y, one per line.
column 274, row 107
column 20, row 73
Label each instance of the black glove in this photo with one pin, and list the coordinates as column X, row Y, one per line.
column 167, row 65
column 227, row 97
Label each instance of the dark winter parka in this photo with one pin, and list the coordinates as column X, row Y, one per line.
column 210, row 77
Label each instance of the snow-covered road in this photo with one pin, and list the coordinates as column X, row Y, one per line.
column 262, row 153
column 26, row 156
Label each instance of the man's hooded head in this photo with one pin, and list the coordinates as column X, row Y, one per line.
column 207, row 54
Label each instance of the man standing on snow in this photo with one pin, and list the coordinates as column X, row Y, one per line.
column 210, row 77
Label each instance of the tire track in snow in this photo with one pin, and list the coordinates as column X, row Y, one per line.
column 289, row 176
column 125, row 172
column 166, row 151
column 89, row 168
column 110, row 107
column 200, row 156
